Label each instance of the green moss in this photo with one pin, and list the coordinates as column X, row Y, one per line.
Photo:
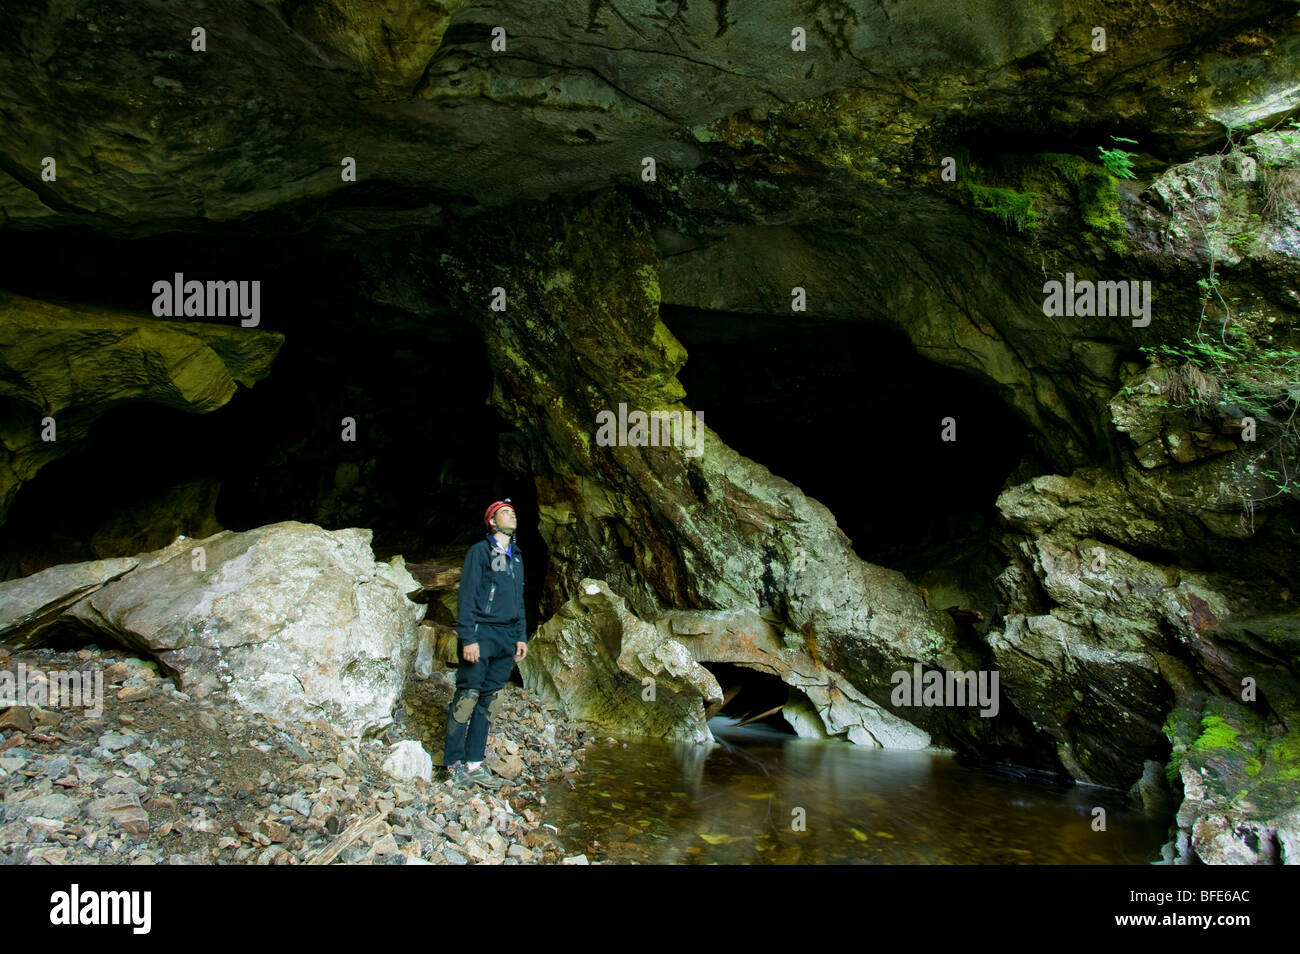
column 674, row 354
column 1283, row 756
column 1286, row 749
column 648, row 276
column 1018, row 188
column 1057, row 176
column 1179, row 727
column 1099, row 206
column 561, row 279
column 1240, row 748
column 1215, row 734
column 1089, row 187
column 1012, row 207
column 1170, row 728
column 1174, row 770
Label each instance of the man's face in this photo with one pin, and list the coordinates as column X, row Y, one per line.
column 505, row 521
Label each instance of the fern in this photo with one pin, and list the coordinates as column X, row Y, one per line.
column 1118, row 162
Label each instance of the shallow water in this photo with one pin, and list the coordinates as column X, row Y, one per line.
column 742, row 803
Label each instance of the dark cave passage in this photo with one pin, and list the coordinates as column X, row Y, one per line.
column 750, row 695
column 851, row 414
column 423, row 466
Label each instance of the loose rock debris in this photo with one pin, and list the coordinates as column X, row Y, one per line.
column 157, row 777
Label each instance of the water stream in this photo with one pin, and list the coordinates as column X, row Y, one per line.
column 761, row 797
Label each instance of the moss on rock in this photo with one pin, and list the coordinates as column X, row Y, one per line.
column 1024, row 189
column 1238, row 769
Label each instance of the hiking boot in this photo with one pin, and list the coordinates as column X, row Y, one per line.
column 458, row 775
column 482, row 776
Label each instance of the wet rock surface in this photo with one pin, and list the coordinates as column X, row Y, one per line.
column 160, row 778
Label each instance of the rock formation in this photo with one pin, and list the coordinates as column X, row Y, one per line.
column 823, row 705
column 62, row 367
column 545, row 200
column 614, row 671
column 288, row 620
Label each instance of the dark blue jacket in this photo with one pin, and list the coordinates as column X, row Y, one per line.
column 491, row 592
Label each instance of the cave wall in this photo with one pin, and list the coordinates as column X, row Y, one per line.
column 522, row 170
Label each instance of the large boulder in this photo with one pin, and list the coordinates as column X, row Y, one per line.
column 606, row 666
column 32, row 604
column 289, row 619
column 1091, row 627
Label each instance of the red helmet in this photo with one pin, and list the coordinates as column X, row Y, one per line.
column 493, row 508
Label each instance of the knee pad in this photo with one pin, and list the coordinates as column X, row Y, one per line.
column 488, row 702
column 464, row 706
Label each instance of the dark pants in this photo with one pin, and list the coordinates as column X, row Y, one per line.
column 476, row 686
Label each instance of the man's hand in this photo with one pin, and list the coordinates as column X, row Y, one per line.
column 521, row 650
column 470, row 652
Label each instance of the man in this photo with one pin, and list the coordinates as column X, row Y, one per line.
column 492, row 636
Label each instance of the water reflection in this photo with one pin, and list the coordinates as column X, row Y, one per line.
column 764, row 798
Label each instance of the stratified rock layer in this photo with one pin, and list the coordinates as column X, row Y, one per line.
column 149, row 132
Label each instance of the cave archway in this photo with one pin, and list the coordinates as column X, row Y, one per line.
column 851, row 414
column 752, row 696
